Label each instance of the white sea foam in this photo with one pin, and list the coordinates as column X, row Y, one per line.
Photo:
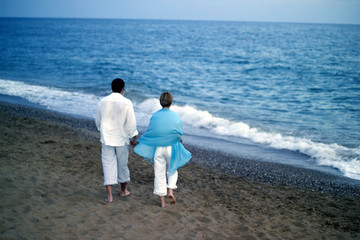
column 76, row 103
column 345, row 159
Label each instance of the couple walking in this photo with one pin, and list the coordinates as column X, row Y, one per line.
column 160, row 144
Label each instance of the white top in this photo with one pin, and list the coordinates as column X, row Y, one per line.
column 115, row 119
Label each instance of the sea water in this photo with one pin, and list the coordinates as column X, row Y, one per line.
column 281, row 92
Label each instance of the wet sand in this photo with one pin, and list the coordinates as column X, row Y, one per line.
column 52, row 188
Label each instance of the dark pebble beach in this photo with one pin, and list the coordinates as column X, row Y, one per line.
column 251, row 170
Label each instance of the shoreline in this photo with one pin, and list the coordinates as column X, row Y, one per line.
column 52, row 187
column 276, row 174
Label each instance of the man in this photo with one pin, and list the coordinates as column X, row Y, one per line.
column 115, row 119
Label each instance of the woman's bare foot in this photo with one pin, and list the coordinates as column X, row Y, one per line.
column 172, row 199
column 171, row 196
column 124, row 193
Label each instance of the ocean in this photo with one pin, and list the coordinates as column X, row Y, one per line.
column 278, row 92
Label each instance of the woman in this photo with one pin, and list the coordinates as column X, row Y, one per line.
column 161, row 145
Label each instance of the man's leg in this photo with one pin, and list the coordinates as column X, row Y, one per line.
column 122, row 155
column 124, row 191
column 109, row 193
column 110, row 169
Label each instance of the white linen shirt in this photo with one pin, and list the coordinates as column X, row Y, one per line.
column 115, row 119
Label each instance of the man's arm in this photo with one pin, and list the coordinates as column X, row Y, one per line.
column 130, row 122
column 98, row 119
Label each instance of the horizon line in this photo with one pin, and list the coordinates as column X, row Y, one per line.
column 189, row 20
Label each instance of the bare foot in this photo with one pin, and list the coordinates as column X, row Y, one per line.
column 109, row 194
column 162, row 199
column 124, row 193
column 109, row 199
column 172, row 199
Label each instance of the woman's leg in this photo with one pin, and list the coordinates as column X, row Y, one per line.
column 171, row 179
column 160, row 175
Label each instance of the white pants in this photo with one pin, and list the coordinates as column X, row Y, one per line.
column 161, row 169
column 115, row 164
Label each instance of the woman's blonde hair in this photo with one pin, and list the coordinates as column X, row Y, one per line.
column 166, row 99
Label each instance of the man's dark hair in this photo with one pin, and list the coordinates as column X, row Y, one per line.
column 117, row 85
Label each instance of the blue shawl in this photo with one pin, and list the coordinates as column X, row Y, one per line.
column 165, row 129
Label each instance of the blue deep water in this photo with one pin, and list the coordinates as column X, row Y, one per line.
column 289, row 91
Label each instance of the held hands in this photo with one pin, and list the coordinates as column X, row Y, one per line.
column 133, row 141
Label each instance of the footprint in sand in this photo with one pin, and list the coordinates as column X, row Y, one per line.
column 203, row 219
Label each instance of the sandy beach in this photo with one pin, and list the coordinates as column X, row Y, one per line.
column 52, row 188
